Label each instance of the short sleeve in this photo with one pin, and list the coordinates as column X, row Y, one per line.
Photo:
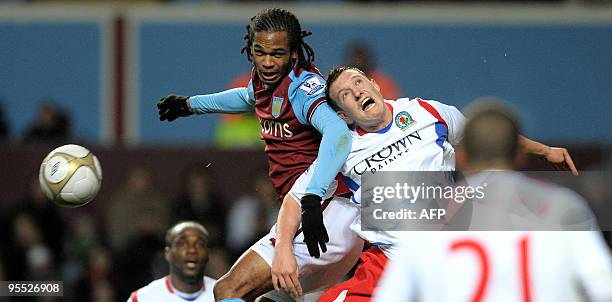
column 251, row 93
column 455, row 120
column 306, row 94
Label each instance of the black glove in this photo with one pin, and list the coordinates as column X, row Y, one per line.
column 173, row 106
column 314, row 230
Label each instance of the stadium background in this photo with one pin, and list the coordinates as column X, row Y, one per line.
column 105, row 65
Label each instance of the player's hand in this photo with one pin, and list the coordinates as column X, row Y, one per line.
column 560, row 159
column 173, row 106
column 285, row 272
column 315, row 234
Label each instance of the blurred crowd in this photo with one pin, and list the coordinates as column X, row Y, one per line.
column 51, row 124
column 106, row 256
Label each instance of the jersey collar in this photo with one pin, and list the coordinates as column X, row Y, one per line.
column 184, row 296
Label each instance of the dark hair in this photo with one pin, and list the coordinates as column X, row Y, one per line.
column 177, row 228
column 280, row 20
column 491, row 133
column 331, row 78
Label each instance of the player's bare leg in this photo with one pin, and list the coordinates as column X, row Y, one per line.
column 248, row 278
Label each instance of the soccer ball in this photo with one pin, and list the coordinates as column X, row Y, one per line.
column 70, row 176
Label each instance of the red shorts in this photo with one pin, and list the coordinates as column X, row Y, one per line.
column 363, row 283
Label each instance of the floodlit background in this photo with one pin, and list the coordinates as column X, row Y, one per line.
column 90, row 73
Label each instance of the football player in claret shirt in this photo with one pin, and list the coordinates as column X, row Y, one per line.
column 287, row 93
column 402, row 135
column 187, row 255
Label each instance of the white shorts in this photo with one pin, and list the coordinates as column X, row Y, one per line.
column 343, row 249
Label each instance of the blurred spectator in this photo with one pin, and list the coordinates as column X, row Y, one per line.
column 4, row 126
column 360, row 55
column 137, row 208
column 2, row 274
column 140, row 261
column 34, row 236
column 83, row 241
column 30, row 258
column 219, row 262
column 97, row 283
column 186, row 253
column 238, row 130
column 199, row 201
column 51, row 125
column 84, row 238
column 251, row 216
column 45, row 214
column 135, row 222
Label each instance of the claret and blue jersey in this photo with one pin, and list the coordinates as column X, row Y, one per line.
column 296, row 124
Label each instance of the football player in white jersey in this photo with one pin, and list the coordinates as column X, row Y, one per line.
column 187, row 254
column 402, row 135
column 501, row 266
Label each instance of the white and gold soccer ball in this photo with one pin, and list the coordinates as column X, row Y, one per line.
column 70, row 176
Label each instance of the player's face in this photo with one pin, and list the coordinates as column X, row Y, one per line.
column 360, row 100
column 188, row 254
column 271, row 56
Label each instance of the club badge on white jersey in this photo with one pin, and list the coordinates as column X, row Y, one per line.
column 418, row 138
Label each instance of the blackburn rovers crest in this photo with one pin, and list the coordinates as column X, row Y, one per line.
column 277, row 103
column 404, row 120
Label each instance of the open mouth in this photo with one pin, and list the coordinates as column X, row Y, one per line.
column 268, row 75
column 191, row 264
column 367, row 104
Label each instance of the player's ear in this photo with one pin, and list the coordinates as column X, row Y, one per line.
column 461, row 157
column 167, row 254
column 294, row 55
column 345, row 117
column 375, row 85
column 520, row 161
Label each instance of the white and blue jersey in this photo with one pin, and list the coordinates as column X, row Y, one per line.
column 418, row 138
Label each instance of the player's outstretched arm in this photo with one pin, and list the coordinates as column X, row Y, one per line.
column 237, row 100
column 333, row 152
column 558, row 157
column 284, row 266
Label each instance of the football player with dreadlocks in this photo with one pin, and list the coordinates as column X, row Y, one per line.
column 287, row 93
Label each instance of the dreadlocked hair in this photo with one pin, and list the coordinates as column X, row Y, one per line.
column 279, row 20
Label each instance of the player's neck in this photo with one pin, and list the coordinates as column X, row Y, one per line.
column 489, row 165
column 271, row 87
column 186, row 287
column 382, row 124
